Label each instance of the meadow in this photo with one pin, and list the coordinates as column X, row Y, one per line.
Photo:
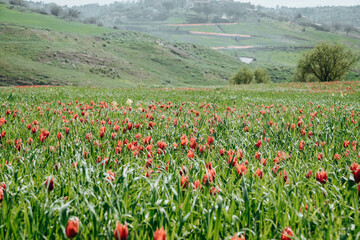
column 243, row 162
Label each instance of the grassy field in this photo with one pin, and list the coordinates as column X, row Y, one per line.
column 277, row 45
column 38, row 49
column 201, row 163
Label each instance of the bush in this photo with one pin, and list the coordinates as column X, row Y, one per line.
column 56, row 10
column 261, row 76
column 243, row 76
column 325, row 63
column 18, row 3
column 91, row 20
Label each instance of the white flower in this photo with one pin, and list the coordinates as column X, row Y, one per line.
column 129, row 102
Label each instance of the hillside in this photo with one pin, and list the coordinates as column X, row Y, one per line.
column 272, row 44
column 40, row 49
column 269, row 38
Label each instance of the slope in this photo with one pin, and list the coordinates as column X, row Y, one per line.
column 39, row 49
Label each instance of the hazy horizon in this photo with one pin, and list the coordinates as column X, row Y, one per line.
column 266, row 3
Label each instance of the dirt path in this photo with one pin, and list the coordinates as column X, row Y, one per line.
column 220, row 34
column 200, row 24
column 232, row 47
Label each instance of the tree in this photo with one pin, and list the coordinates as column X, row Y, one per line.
column 168, row 5
column 326, row 62
column 348, row 29
column 261, row 76
column 243, row 76
column 56, row 10
column 72, row 13
column 18, row 3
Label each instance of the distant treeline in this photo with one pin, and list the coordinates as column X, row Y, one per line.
column 328, row 18
column 333, row 19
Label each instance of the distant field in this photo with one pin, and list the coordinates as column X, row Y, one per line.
column 35, row 20
column 275, row 45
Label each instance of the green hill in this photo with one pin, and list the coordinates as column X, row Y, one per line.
column 40, row 49
column 272, row 44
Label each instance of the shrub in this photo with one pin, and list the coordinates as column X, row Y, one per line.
column 56, row 10
column 261, row 76
column 243, row 76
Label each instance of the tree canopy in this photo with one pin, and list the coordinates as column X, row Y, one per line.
column 326, row 62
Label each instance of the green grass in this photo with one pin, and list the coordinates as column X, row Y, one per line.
column 47, row 50
column 35, row 20
column 256, row 208
column 278, row 45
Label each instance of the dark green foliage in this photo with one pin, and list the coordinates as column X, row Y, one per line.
column 261, row 76
column 326, row 62
column 56, row 10
column 243, row 76
column 18, row 3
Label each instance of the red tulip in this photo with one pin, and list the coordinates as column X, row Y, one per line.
column 209, row 165
column 49, row 183
column 210, row 140
column 263, row 161
column 184, row 140
column 258, row 173
column 354, row 166
column 235, row 237
column 258, row 143
column 356, row 174
column 222, row 152
column 184, row 183
column 308, row 175
column 207, row 180
column 148, row 162
column 59, row 136
column 241, row 169
column 301, row 145
column 1, row 194
column 196, row 185
column 121, row 232
column 110, row 176
column 321, row 177
column 72, row 228
column 287, row 234
column 190, row 154
column 160, row 234
column 214, row 191
column 102, row 131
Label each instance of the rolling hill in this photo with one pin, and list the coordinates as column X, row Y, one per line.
column 272, row 44
column 39, row 49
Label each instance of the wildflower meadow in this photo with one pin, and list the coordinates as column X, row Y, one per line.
column 202, row 163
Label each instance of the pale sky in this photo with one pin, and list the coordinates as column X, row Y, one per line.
column 266, row 3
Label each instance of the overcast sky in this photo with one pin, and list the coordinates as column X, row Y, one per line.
column 267, row 3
